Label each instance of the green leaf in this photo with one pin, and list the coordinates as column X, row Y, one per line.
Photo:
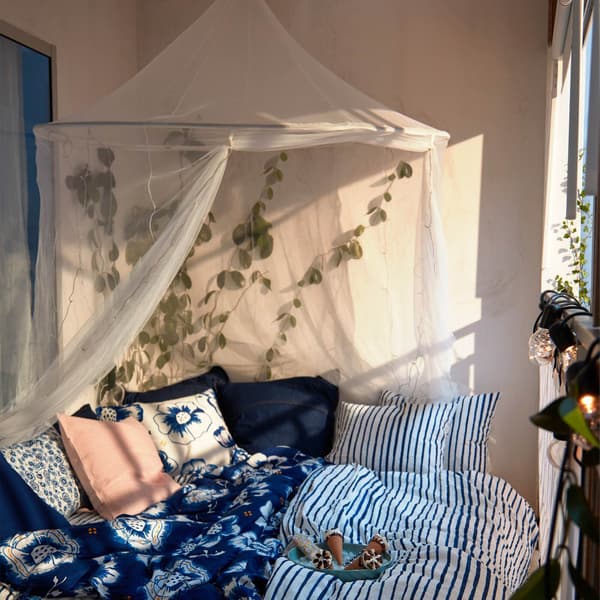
column 106, row 156
column 359, row 230
column 283, row 156
column 265, row 243
column 549, row 419
column 339, row 255
column 355, row 249
column 186, row 280
column 315, row 276
column 130, row 367
column 266, row 282
column 279, row 174
column 143, row 338
column 387, row 196
column 110, row 280
column 259, row 226
column 113, row 253
column 158, row 380
column 297, row 303
column 258, row 207
column 534, row 586
column 163, row 359
column 188, row 352
column 269, row 355
column 580, row 512
column 211, row 217
column 584, row 590
column 404, row 170
column 301, row 283
column 244, row 258
column 239, row 234
column 382, row 214
column 221, row 279
column 238, row 279
column 223, row 317
column 293, row 321
column 571, row 414
column 268, row 372
column 171, row 338
column 202, row 344
column 208, row 296
column 392, row 177
column 205, row 234
column 222, row 341
column 283, row 337
column 269, row 193
column 255, row 275
column 99, row 284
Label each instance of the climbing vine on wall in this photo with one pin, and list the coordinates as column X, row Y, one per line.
column 178, row 333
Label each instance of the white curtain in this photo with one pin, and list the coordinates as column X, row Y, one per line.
column 15, row 299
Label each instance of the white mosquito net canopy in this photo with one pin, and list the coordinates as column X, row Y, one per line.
column 235, row 204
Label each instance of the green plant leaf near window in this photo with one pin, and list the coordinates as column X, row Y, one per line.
column 575, row 237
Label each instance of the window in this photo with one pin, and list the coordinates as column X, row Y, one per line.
column 25, row 100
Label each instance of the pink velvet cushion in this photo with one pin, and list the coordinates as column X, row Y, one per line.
column 117, row 463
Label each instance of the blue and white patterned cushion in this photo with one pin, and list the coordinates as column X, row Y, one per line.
column 407, row 437
column 466, row 444
column 43, row 464
column 183, row 429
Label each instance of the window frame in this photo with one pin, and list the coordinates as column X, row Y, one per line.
column 26, row 39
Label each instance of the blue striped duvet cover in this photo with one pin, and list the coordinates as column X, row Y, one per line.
column 452, row 535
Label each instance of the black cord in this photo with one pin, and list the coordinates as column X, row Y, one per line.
column 557, row 502
column 577, row 314
column 588, row 356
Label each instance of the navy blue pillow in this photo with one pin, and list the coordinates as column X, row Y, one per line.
column 187, row 387
column 85, row 412
column 21, row 508
column 297, row 412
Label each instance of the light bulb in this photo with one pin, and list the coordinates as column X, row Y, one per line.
column 541, row 346
column 568, row 356
column 588, row 404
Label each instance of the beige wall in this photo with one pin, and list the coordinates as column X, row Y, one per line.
column 476, row 68
column 95, row 43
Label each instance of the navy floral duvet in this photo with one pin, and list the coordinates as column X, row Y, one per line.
column 215, row 538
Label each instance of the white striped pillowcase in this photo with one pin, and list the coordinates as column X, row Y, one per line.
column 407, row 437
column 466, row 446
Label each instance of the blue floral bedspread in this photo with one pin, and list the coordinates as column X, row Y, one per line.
column 215, row 538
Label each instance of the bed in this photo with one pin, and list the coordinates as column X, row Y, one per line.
column 414, row 472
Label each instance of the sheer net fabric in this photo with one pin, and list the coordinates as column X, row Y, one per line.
column 236, row 203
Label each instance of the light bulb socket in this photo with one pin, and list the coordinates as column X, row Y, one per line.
column 562, row 335
column 551, row 313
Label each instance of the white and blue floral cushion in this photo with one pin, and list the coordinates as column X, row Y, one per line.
column 43, row 464
column 183, row 429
